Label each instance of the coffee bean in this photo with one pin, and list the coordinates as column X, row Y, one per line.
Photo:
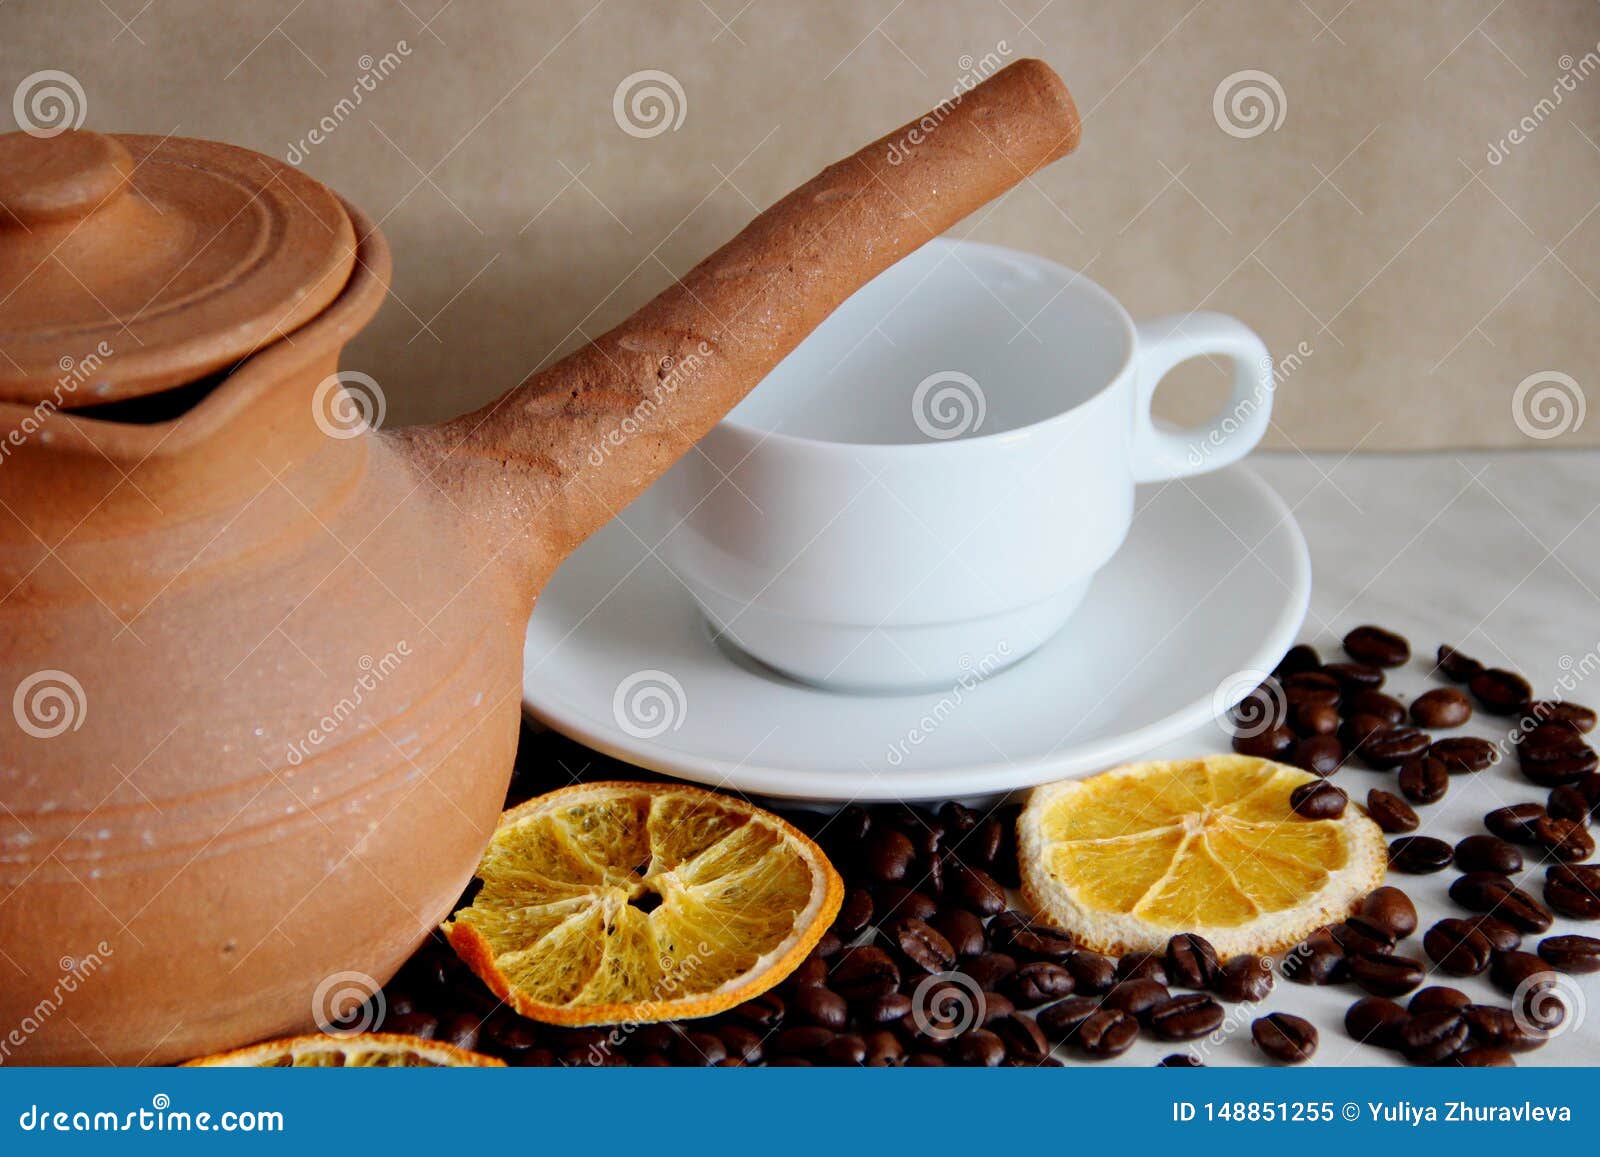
column 819, row 1006
column 1464, row 753
column 413, row 1024
column 1514, row 823
column 829, row 946
column 1495, row 1027
column 1436, row 998
column 742, row 1043
column 1500, row 692
column 1191, row 961
column 1481, row 1057
column 1568, row 802
column 1188, row 1016
column 1375, row 1020
column 1353, row 677
column 1487, row 854
column 1374, row 645
column 924, row 1060
column 897, row 899
column 1091, row 972
column 1023, row 1039
column 1455, row 666
column 1318, row 800
column 1060, row 1021
column 1424, row 779
column 990, row 968
column 1457, row 947
column 888, row 854
column 1318, row 754
column 854, row 914
column 1311, row 685
column 1300, row 657
column 1135, row 997
column 995, row 1005
column 983, row 845
column 1264, row 708
column 922, row 944
column 1550, row 766
column 1142, row 966
column 1106, row 1033
column 1573, row 890
column 958, row 819
column 1244, row 978
column 1392, row 910
column 1386, row 974
column 1038, row 983
column 1571, row 953
column 1315, row 719
column 1389, row 748
column 1514, row 971
column 865, row 972
column 1385, row 707
column 885, row 1009
column 979, row 1048
column 806, row 1041
column 1273, row 743
column 1015, row 933
column 975, row 890
column 884, row 1050
column 962, row 929
column 1431, row 1037
column 1501, row 936
column 764, row 1012
column 812, row 970
column 1358, row 934
column 1180, row 1061
column 1575, row 715
column 1565, row 840
column 1441, row 709
column 1318, row 959
column 1419, row 855
column 1496, row 895
column 1286, row 1039
column 1359, row 730
column 1391, row 813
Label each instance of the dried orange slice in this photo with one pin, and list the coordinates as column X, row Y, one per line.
column 372, row 1050
column 609, row 903
column 1125, row 859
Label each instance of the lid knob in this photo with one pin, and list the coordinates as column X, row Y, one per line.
column 60, row 178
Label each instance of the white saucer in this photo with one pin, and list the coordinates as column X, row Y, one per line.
column 1213, row 581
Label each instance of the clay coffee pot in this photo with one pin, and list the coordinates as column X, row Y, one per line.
column 263, row 662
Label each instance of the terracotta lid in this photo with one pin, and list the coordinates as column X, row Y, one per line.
column 131, row 264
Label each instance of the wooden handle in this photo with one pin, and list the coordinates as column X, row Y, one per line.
column 576, row 442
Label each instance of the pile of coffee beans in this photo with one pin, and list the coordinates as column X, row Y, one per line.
column 928, row 965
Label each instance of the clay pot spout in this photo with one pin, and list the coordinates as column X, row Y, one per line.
column 553, row 460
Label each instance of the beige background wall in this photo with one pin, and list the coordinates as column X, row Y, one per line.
column 1426, row 278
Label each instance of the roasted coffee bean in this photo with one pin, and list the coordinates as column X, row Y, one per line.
column 1487, row 854
column 1136, row 996
column 1375, row 1020
column 1455, row 666
column 1514, row 823
column 1385, row 707
column 818, row 1005
column 884, row 1050
column 1481, row 1057
column 1512, row 970
column 990, row 969
column 885, row 1009
column 1424, row 779
column 1142, row 966
column 1575, row 715
column 1188, row 1016
column 1419, row 855
column 1501, row 936
column 1273, row 743
column 1106, row 1033
column 1436, row 998
column 1315, row 719
column 1556, row 766
column 460, row 1029
column 1023, row 1039
column 1286, row 1039
column 829, row 946
column 412, row 1024
column 1430, row 1037
column 1386, row 974
column 865, row 972
column 1392, row 910
column 1315, row 961
column 1318, row 754
column 1354, row 677
column 1563, row 840
column 854, row 914
column 1358, row 934
column 1571, row 953
column 812, row 970
column 742, row 1043
column 1568, row 802
column 1496, row 895
column 922, row 944
column 1092, row 972
column 897, row 899
column 764, row 1012
column 975, row 890
column 1380, row 648
column 845, row 1050
column 1191, row 961
column 806, row 1041
column 1312, row 685
column 1500, row 692
column 958, row 819
column 1388, row 749
column 1244, row 978
column 962, row 929
column 888, row 854
column 1496, row 1027
column 1038, row 983
column 1359, row 730
column 1318, row 800
column 1391, row 813
column 1264, row 708
column 1573, row 890
column 1457, row 947
column 1441, row 709
column 1060, row 1021
column 697, row 1049
column 1300, row 657
column 1015, row 933
column 1464, row 753
column 1180, row 1061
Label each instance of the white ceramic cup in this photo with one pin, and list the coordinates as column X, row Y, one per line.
column 921, row 492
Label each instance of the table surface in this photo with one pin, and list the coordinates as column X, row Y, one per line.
column 1497, row 554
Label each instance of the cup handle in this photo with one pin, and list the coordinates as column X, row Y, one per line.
column 1164, row 342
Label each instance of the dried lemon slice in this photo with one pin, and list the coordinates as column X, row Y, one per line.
column 373, row 1050
column 609, row 903
column 1125, row 859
